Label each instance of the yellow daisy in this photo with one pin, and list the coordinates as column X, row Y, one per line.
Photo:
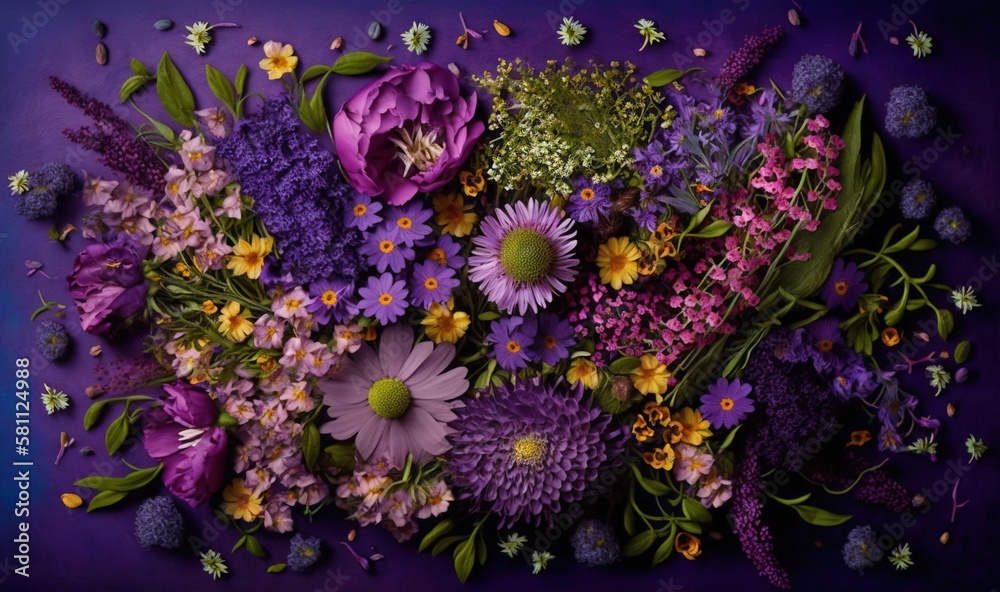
column 617, row 260
column 694, row 429
column 279, row 60
column 585, row 371
column 445, row 325
column 248, row 257
column 455, row 217
column 240, row 503
column 651, row 376
column 232, row 324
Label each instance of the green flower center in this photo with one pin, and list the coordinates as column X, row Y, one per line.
column 389, row 398
column 526, row 255
column 529, row 450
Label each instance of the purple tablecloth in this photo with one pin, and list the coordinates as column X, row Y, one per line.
column 72, row 550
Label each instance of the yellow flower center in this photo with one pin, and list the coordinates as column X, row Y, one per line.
column 405, row 223
column 329, row 298
column 513, row 346
column 656, row 171
column 431, row 283
column 437, row 255
column 360, row 209
column 726, row 404
column 386, row 246
column 587, row 194
column 529, row 450
column 385, row 299
column 840, row 288
column 549, row 341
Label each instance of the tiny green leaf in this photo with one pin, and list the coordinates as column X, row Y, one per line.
column 441, row 529
column 651, row 486
column 791, row 502
column 276, row 568
column 105, row 498
column 241, row 79
column 314, row 72
column 239, row 543
column 358, row 62
column 174, row 92
column 341, row 455
column 488, row 316
column 139, row 69
column 116, row 433
column 695, row 511
column 624, row 365
column 962, row 351
column 945, row 322
column 131, row 86
column 729, row 438
column 818, row 516
column 665, row 77
column 666, row 548
column 310, row 445
column 254, row 547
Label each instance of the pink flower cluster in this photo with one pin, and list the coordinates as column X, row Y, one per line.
column 698, row 469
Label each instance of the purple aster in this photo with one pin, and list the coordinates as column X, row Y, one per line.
column 330, row 300
column 432, row 283
column 817, row 82
column 529, row 450
column 524, row 256
column 411, row 222
column 589, row 202
column 825, row 334
column 651, row 162
column 952, row 225
column 397, row 400
column 726, row 403
column 446, row 251
column 383, row 299
column 844, row 285
column 385, row 248
column 512, row 339
column 363, row 213
column 553, row 339
column 918, row 199
column 908, row 113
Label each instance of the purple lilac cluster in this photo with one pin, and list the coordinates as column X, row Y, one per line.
column 876, row 487
column 743, row 60
column 112, row 137
column 594, row 543
column 534, row 338
column 297, row 193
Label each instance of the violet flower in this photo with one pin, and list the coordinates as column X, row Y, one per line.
column 408, row 131
column 107, row 283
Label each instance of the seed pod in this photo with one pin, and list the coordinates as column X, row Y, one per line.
column 93, row 391
column 101, row 53
column 502, row 29
column 252, row 41
column 944, row 538
column 337, row 43
column 919, row 500
column 163, row 24
column 377, row 557
column 793, row 17
column 351, row 535
column 100, row 30
column 950, row 410
column 95, row 351
column 961, row 375
column 699, row 52
column 71, row 500
column 374, row 30
column 894, row 40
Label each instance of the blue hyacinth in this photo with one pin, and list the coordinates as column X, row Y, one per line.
column 158, row 523
column 918, row 199
column 908, row 113
column 817, row 82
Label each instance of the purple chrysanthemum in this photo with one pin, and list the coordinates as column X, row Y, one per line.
column 432, row 283
column 817, row 82
column 512, row 339
column 383, row 299
column 446, row 251
column 363, row 212
column 918, row 199
column 727, row 403
column 908, row 113
column 844, row 285
column 553, row 339
column 398, row 400
column 410, row 221
column 589, row 202
column 952, row 225
column 530, row 449
column 385, row 248
column 330, row 300
column 524, row 256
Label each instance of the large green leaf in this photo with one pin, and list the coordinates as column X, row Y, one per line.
column 174, row 92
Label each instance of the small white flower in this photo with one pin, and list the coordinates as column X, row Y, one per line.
column 539, row 561
column 512, row 545
column 54, row 400
column 199, row 37
column 417, row 38
column 214, row 564
column 571, row 32
column 18, row 182
column 964, row 299
column 650, row 35
column 939, row 378
column 901, row 557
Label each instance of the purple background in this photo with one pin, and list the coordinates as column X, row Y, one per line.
column 73, row 550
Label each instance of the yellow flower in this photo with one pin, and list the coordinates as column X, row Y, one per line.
column 279, row 60
column 444, row 325
column 232, row 324
column 651, row 376
column 240, row 503
column 208, row 307
column 248, row 257
column 472, row 183
column 585, row 371
column 617, row 262
column 660, row 458
column 694, row 428
column 453, row 214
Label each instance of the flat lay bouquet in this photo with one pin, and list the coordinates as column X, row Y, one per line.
column 559, row 311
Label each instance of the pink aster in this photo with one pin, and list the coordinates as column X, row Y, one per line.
column 396, row 400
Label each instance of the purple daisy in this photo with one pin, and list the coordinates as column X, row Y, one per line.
column 432, row 283
column 844, row 285
column 411, row 222
column 329, row 300
column 589, row 202
column 363, row 213
column 512, row 339
column 554, row 337
column 529, row 450
column 383, row 299
column 385, row 248
column 726, row 403
column 398, row 400
column 445, row 251
column 524, row 256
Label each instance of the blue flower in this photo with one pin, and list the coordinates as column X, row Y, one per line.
column 158, row 523
column 589, row 202
column 385, row 248
column 304, row 552
column 861, row 549
column 36, row 203
column 410, row 221
column 844, row 285
column 52, row 340
column 594, row 543
column 553, row 339
column 952, row 225
column 918, row 199
column 908, row 113
column 817, row 82
column 363, row 213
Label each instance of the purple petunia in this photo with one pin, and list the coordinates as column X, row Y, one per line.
column 383, row 299
column 432, row 283
column 844, row 285
column 384, row 248
column 589, row 202
column 363, row 213
column 727, row 403
column 553, row 339
column 512, row 339
column 410, row 221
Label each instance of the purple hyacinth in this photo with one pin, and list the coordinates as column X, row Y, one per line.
column 918, row 199
column 844, row 285
column 952, row 225
column 158, row 523
column 383, row 298
column 727, row 403
column 740, row 62
column 432, row 283
column 512, row 338
column 817, row 82
column 861, row 549
column 529, row 450
column 36, row 203
column 303, row 552
column 52, row 340
column 908, row 113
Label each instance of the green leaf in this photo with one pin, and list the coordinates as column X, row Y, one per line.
column 905, row 242
column 358, row 62
column 222, row 517
column 629, row 520
column 174, row 93
column 481, row 551
column 819, row 517
column 688, row 526
column 465, row 559
column 945, row 322
column 695, row 511
column 221, row 87
column 310, row 445
column 276, row 568
column 791, row 502
column 488, row 316
column 254, row 547
column 442, row 528
column 651, row 486
column 698, row 218
column 241, row 79
column 314, row 72
column 874, row 181
column 132, row 481
column 639, row 543
column 446, row 542
column 312, row 112
column 962, row 351
column 666, row 548
column 105, row 498
column 729, row 438
column 131, row 86
column 341, row 455
column 623, row 366
column 139, row 69
column 924, row 244
column 665, row 77
column 716, row 228
column 239, row 543
column 116, row 433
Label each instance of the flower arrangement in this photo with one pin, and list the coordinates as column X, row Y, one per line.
column 617, row 293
